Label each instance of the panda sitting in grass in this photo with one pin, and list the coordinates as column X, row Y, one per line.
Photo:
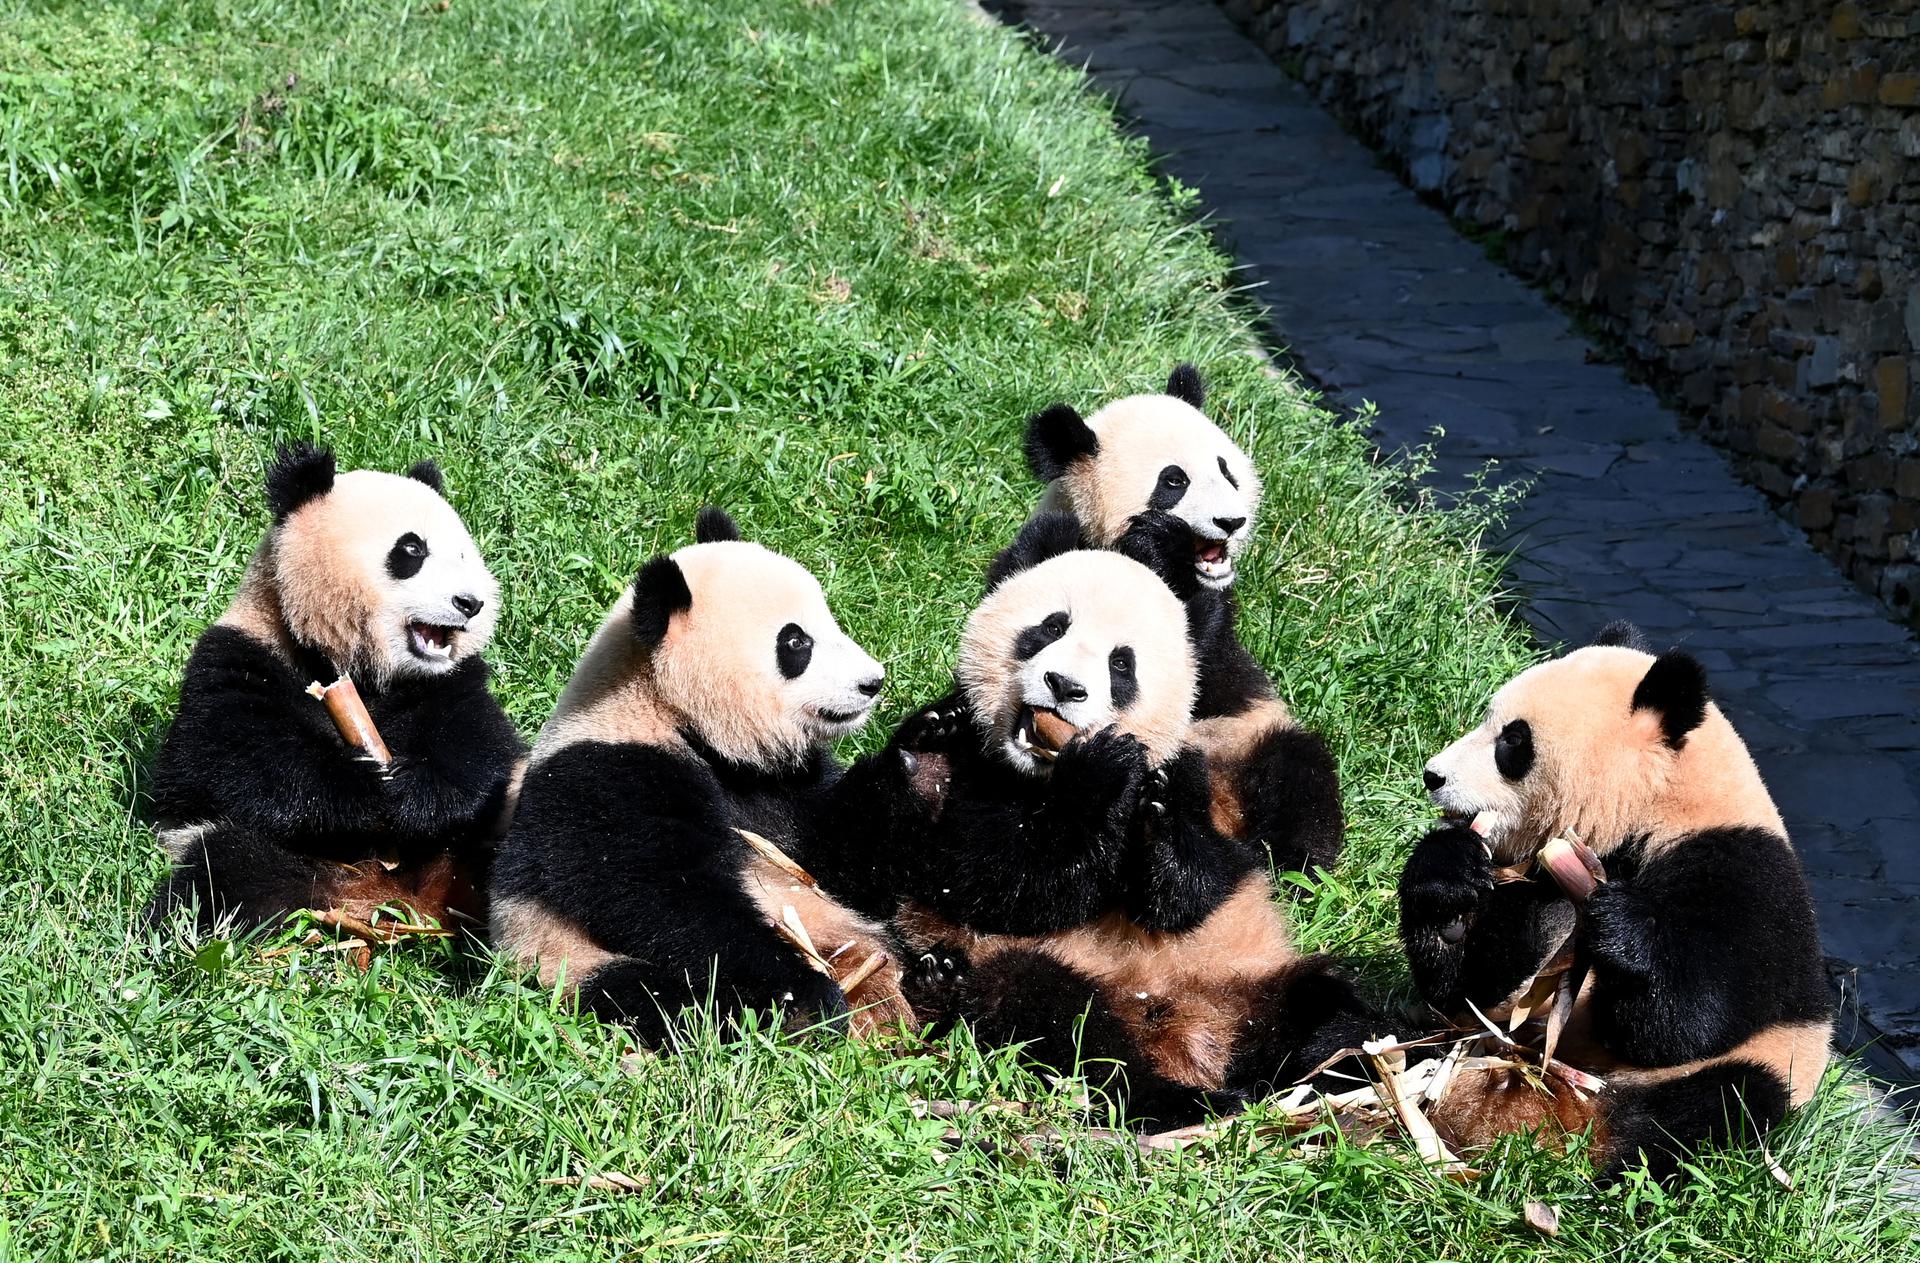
column 1152, row 476
column 263, row 808
column 696, row 731
column 1062, row 880
column 1705, row 1007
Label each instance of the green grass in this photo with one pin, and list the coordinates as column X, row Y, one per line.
column 608, row 262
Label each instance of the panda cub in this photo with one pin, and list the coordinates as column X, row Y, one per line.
column 262, row 807
column 704, row 706
column 1063, row 882
column 1152, row 476
column 1704, row 976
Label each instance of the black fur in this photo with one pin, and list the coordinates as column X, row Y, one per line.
column 1029, row 997
column 637, row 845
column 1706, row 944
column 1675, row 688
column 712, row 525
column 1667, row 1122
column 1466, row 938
column 1180, row 868
column 659, row 592
column 1185, row 384
column 1621, row 632
column 1122, row 680
column 1032, row 640
column 1290, row 780
column 1045, row 535
column 408, row 554
column 1513, row 750
column 428, row 471
column 1303, row 1016
column 1056, row 438
column 793, row 651
column 300, row 472
column 250, row 753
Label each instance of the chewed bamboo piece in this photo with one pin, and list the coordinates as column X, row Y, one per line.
column 350, row 716
column 1573, row 865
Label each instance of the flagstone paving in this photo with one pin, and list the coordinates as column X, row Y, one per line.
column 1378, row 300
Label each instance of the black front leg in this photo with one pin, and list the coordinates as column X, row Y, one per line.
column 1181, row 868
column 1467, row 938
column 1289, row 792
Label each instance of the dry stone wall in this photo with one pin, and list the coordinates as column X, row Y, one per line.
column 1732, row 191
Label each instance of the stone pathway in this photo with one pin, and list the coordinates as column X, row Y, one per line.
column 1378, row 299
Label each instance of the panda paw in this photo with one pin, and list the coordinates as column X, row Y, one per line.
column 1163, row 544
column 929, row 728
column 1618, row 930
column 1101, row 773
column 1444, row 879
column 932, row 986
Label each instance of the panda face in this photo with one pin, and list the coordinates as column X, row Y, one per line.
column 379, row 573
column 1158, row 452
column 1605, row 743
column 1078, row 642
column 754, row 661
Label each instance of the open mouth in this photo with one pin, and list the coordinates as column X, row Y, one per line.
column 827, row 715
column 1211, row 559
column 1042, row 733
column 431, row 641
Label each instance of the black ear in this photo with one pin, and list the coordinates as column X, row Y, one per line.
column 1624, row 634
column 1675, row 687
column 1056, row 438
column 1185, row 385
column 659, row 591
column 713, row 526
column 428, row 472
column 1046, row 535
column 300, row 471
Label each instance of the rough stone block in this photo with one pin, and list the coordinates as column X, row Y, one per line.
column 1901, row 89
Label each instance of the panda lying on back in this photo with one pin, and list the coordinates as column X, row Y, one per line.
column 1706, row 979
column 1151, row 476
column 705, row 705
column 262, row 807
column 1057, row 856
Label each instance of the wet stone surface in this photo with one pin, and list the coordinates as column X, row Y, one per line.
column 1378, row 300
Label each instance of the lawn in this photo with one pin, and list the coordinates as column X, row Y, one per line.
column 607, row 262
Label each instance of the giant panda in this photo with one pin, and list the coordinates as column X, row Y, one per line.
column 1152, row 476
column 1705, row 990
column 704, row 705
column 1074, row 894
column 262, row 807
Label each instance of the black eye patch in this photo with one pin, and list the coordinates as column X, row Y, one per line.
column 1040, row 635
column 1228, row 474
column 1171, row 487
column 1125, row 685
column 1513, row 750
column 793, row 649
column 409, row 553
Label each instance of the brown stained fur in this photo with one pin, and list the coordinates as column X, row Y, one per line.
column 1197, row 985
column 543, row 941
column 1227, row 740
column 1139, row 436
column 841, row 936
column 440, row 890
column 1484, row 1103
column 1110, row 591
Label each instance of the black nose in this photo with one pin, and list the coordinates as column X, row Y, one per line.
column 871, row 687
column 1064, row 689
column 1432, row 779
column 468, row 605
column 1229, row 524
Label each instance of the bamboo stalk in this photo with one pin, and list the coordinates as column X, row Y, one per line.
column 351, row 717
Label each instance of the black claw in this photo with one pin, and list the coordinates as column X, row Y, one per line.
column 908, row 762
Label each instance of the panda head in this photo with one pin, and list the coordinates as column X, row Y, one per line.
column 1151, row 452
column 1607, row 743
column 374, row 570
column 741, row 649
column 1090, row 637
